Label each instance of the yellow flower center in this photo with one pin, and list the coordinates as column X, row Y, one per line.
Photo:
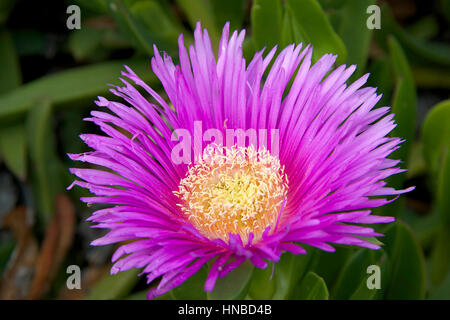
column 233, row 190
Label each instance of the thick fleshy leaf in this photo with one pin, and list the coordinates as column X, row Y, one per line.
column 266, row 23
column 364, row 293
column 84, row 83
column 286, row 36
column 426, row 228
column 329, row 265
column 13, row 148
column 12, row 135
column 440, row 263
column 443, row 190
column 230, row 10
column 114, row 286
column 440, row 257
column 293, row 31
column 417, row 165
column 233, row 286
column 141, row 295
column 140, row 22
column 45, row 166
column 356, row 40
column 156, row 22
column 201, row 10
column 312, row 287
column 10, row 77
column 289, row 271
column 85, row 42
column 436, row 135
column 407, row 264
column 71, row 124
column 381, row 78
column 443, row 291
column 404, row 104
column 355, row 272
column 263, row 284
column 310, row 18
column 192, row 288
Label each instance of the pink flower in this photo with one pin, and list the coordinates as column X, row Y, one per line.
column 311, row 178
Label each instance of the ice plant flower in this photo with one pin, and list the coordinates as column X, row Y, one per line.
column 314, row 184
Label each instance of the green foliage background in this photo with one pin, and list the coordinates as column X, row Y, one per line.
column 50, row 76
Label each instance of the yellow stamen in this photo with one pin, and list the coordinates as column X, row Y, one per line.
column 238, row 190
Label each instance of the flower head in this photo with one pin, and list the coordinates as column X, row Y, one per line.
column 274, row 163
column 235, row 190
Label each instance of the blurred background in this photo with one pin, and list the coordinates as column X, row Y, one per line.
column 51, row 74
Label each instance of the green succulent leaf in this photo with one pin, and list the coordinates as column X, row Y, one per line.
column 404, row 104
column 443, row 291
column 157, row 23
column 116, row 286
column 201, row 10
column 436, row 135
column 266, row 19
column 329, row 265
column 443, row 200
column 13, row 148
column 10, row 77
column 263, row 284
column 141, row 295
column 309, row 17
column 230, row 10
column 192, row 288
column 312, row 287
column 440, row 259
column 12, row 135
column 289, row 271
column 356, row 40
column 233, row 286
column 407, row 264
column 440, row 256
column 381, row 77
column 45, row 165
column 85, row 42
column 355, row 273
column 146, row 23
column 84, row 83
